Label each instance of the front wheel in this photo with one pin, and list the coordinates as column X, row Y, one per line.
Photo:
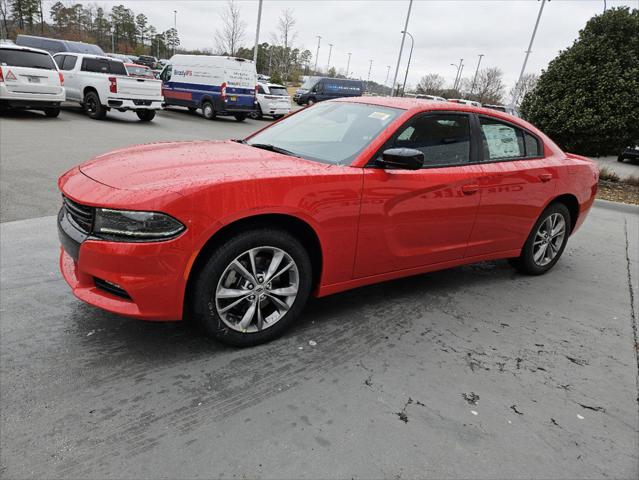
column 240, row 117
column 52, row 112
column 93, row 107
column 546, row 241
column 311, row 101
column 620, row 158
column 253, row 287
column 145, row 115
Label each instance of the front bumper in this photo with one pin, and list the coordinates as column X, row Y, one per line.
column 134, row 104
column 630, row 153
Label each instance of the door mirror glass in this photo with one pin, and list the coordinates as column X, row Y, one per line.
column 402, row 158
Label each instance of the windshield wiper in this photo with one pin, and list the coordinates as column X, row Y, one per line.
column 273, row 148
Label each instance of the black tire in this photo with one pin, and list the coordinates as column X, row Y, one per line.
column 92, row 106
column 240, row 117
column 277, row 117
column 192, row 109
column 311, row 101
column 202, row 296
column 145, row 115
column 52, row 112
column 526, row 263
column 257, row 114
column 620, row 158
column 208, row 110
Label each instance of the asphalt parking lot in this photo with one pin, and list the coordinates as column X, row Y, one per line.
column 472, row 372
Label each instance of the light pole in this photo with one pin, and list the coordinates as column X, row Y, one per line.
column 348, row 64
column 257, row 32
column 330, row 50
column 401, row 48
column 523, row 67
column 319, row 38
column 410, row 55
column 388, row 67
column 174, row 28
column 472, row 89
column 458, row 76
column 369, row 74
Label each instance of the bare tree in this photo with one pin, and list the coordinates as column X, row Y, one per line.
column 527, row 84
column 283, row 41
column 4, row 13
column 489, row 87
column 233, row 31
column 432, row 84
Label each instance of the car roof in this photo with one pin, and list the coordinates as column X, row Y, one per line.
column 136, row 65
column 91, row 55
column 13, row 46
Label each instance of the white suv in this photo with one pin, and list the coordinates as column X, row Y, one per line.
column 29, row 79
column 272, row 99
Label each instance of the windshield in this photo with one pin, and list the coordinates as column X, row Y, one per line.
column 328, row 132
column 309, row 82
column 25, row 58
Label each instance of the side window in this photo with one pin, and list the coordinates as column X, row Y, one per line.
column 69, row 62
column 260, row 89
column 500, row 141
column 533, row 149
column 165, row 76
column 59, row 59
column 94, row 65
column 443, row 138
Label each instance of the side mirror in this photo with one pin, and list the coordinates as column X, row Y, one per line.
column 402, row 158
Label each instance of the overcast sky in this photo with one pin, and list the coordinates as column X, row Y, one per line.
column 444, row 30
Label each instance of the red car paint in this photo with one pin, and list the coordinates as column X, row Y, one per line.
column 371, row 224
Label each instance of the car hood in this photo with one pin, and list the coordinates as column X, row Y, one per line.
column 175, row 166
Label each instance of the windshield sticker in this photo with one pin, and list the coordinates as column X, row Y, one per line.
column 379, row 116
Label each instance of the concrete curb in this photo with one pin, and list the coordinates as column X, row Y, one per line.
column 618, row 207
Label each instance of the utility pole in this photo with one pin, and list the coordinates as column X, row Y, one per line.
column 369, row 74
column 410, row 55
column 388, row 67
column 257, row 32
column 472, row 89
column 319, row 38
column 458, row 76
column 348, row 64
column 401, row 48
column 174, row 29
column 523, row 67
column 330, row 50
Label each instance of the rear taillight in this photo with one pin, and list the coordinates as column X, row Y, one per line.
column 1, row 77
column 224, row 91
column 113, row 85
column 61, row 79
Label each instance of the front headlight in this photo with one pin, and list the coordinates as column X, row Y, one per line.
column 128, row 225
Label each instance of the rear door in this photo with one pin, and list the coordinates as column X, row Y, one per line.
column 29, row 72
column 519, row 180
column 71, row 81
column 415, row 218
column 241, row 78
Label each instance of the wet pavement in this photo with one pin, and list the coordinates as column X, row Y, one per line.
column 472, row 372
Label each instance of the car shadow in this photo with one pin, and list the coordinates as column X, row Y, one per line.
column 160, row 343
column 20, row 114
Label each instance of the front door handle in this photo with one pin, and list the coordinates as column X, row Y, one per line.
column 470, row 188
column 545, row 177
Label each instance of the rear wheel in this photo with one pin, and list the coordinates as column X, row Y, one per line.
column 52, row 112
column 257, row 114
column 253, row 287
column 92, row 106
column 546, row 241
column 145, row 115
column 208, row 111
column 240, row 117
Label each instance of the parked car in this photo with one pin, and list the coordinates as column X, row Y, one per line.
column 509, row 109
column 55, row 45
column 120, row 56
column 217, row 85
column 629, row 153
column 147, row 60
column 317, row 89
column 464, row 102
column 30, row 79
column 433, row 98
column 100, row 83
column 237, row 234
column 273, row 100
column 135, row 70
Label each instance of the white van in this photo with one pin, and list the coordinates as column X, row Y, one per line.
column 218, row 85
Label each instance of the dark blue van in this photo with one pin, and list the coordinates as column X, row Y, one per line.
column 55, row 45
column 316, row 89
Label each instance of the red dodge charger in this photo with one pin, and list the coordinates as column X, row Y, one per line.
column 237, row 234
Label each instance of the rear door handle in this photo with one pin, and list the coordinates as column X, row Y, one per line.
column 545, row 177
column 470, row 188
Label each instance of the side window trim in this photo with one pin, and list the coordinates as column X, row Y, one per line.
column 475, row 157
column 523, row 131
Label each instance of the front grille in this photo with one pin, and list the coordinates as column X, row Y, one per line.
column 111, row 288
column 80, row 215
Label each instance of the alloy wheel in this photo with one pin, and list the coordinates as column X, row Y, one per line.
column 257, row 289
column 549, row 239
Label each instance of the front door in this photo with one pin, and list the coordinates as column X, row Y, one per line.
column 410, row 219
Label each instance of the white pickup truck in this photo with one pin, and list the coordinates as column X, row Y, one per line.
column 101, row 83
